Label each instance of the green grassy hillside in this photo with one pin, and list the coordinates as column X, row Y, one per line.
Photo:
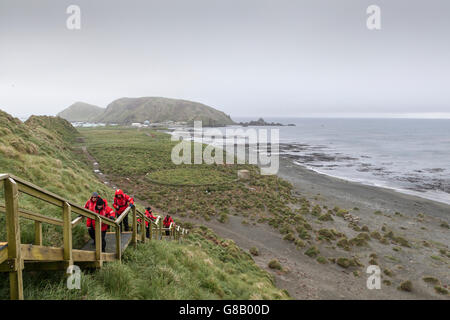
column 41, row 151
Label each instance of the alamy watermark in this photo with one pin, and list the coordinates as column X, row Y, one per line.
column 74, row 278
column 374, row 19
column 252, row 146
column 73, row 22
column 374, row 280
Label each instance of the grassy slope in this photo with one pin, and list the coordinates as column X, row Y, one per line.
column 41, row 151
column 202, row 267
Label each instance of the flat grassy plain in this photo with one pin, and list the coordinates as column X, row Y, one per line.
column 204, row 190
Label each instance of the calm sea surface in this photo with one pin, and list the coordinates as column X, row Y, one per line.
column 409, row 155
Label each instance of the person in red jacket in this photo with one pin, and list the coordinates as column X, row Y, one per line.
column 166, row 223
column 90, row 204
column 102, row 209
column 148, row 214
column 121, row 202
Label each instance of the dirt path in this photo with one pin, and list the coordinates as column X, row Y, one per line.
column 96, row 167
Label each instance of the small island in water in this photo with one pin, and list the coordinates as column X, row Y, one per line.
column 261, row 122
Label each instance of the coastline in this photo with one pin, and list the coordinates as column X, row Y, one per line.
column 350, row 194
column 424, row 251
column 363, row 168
column 416, row 219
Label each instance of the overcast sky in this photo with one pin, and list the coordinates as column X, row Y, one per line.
column 244, row 57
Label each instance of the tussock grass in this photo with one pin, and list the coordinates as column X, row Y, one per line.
column 431, row 280
column 254, row 251
column 275, row 264
column 312, row 252
column 322, row 260
column 406, row 286
column 348, row 262
column 441, row 290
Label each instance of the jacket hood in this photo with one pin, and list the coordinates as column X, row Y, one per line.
column 119, row 191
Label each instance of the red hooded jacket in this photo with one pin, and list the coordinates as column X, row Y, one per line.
column 90, row 205
column 120, row 204
column 167, row 221
column 148, row 215
column 106, row 212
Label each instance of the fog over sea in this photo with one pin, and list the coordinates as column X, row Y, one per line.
column 409, row 155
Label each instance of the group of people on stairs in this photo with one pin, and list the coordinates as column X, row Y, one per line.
column 121, row 202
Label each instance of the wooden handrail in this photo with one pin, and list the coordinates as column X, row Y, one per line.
column 35, row 216
column 155, row 222
column 76, row 221
column 39, row 193
column 123, row 215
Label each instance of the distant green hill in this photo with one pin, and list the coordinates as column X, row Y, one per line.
column 80, row 111
column 154, row 109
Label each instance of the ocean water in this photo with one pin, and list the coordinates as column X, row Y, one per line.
column 408, row 155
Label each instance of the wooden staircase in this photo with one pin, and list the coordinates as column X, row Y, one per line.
column 16, row 257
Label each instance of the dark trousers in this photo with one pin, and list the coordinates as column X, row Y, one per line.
column 92, row 234
column 167, row 232
column 125, row 224
column 147, row 231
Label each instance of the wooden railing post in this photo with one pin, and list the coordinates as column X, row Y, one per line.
column 143, row 235
column 38, row 233
column 67, row 232
column 118, row 244
column 150, row 225
column 13, row 237
column 98, row 241
column 134, row 236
